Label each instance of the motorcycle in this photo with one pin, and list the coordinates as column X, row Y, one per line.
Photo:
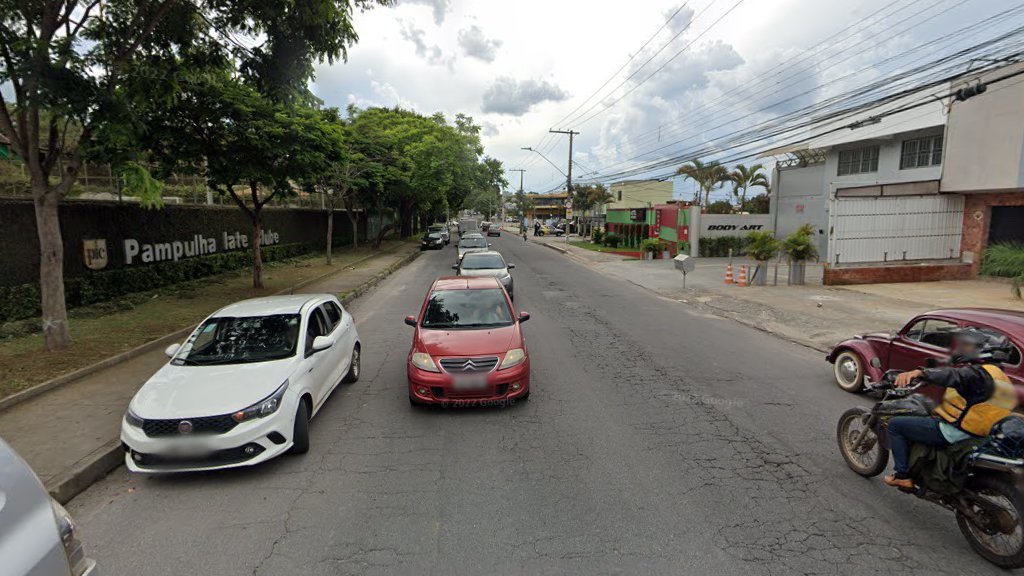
column 990, row 508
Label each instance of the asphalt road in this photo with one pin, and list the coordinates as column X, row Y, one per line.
column 657, row 439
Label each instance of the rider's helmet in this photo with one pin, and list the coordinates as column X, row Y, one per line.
column 979, row 346
column 1006, row 438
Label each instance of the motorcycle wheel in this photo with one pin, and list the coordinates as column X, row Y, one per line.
column 1000, row 537
column 870, row 460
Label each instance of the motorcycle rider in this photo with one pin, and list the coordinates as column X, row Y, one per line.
column 978, row 394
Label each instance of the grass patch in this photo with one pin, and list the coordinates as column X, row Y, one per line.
column 599, row 247
column 1005, row 260
column 109, row 328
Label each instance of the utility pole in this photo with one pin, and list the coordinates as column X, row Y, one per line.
column 521, row 171
column 568, row 176
column 520, row 197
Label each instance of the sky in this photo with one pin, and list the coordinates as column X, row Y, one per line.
column 674, row 75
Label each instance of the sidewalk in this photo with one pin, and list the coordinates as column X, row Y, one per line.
column 813, row 315
column 69, row 435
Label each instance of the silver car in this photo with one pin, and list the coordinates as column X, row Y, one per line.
column 37, row 535
column 487, row 264
column 467, row 245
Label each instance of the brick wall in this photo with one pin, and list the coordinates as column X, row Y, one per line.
column 978, row 215
column 896, row 273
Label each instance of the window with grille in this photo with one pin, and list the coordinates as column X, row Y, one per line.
column 921, row 152
column 858, row 161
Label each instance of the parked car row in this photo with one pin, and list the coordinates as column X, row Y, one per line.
column 246, row 383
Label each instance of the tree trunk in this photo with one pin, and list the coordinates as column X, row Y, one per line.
column 406, row 216
column 354, row 219
column 51, row 268
column 330, row 234
column 257, row 249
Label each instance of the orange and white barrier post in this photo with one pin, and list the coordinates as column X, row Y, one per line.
column 743, row 277
column 728, row 274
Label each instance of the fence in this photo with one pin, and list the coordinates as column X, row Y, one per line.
column 100, row 182
column 885, row 229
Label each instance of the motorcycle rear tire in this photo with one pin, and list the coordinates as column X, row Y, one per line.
column 1003, row 487
column 881, row 455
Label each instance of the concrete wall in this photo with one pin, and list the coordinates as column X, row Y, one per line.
column 800, row 196
column 718, row 225
column 984, row 148
column 639, row 193
column 895, row 273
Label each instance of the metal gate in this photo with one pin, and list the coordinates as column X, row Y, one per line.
column 894, row 228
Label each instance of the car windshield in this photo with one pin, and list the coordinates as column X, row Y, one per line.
column 473, row 243
column 483, row 262
column 229, row 340
column 459, row 309
column 436, row 228
column 433, row 236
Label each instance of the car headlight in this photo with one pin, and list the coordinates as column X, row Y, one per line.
column 513, row 357
column 132, row 419
column 73, row 549
column 424, row 362
column 264, row 407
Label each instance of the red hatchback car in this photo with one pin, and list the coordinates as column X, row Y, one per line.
column 468, row 347
column 929, row 335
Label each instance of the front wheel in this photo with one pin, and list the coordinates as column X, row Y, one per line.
column 353, row 367
column 849, row 371
column 300, row 437
column 869, row 458
column 992, row 525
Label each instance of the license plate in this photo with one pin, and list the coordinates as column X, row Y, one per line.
column 187, row 450
column 469, row 382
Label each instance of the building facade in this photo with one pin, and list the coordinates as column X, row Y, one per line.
column 639, row 194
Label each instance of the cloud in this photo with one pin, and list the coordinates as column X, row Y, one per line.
column 441, row 8
column 431, row 53
column 475, row 45
column 509, row 96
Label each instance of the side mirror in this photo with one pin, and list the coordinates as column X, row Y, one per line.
column 410, row 320
column 523, row 317
column 321, row 343
column 455, row 266
column 172, row 350
column 489, row 244
column 510, row 266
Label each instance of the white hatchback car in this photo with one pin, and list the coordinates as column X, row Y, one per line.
column 243, row 387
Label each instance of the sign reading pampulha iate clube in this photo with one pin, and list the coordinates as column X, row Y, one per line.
column 135, row 252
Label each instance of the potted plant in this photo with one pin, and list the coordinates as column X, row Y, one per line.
column 596, row 235
column 612, row 240
column 799, row 247
column 762, row 247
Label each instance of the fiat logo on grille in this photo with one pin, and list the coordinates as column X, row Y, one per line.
column 184, row 427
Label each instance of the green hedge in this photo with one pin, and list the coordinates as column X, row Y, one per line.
column 719, row 247
column 17, row 302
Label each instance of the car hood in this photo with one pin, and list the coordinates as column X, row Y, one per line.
column 876, row 336
column 191, row 391
column 469, row 342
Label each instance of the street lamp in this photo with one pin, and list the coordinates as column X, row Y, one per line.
column 555, row 166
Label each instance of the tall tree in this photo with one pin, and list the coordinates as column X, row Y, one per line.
column 589, row 197
column 744, row 178
column 707, row 176
column 67, row 62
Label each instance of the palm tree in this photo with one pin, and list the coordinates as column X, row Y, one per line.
column 707, row 176
column 590, row 197
column 744, row 178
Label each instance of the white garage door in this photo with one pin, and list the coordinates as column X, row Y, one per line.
column 886, row 229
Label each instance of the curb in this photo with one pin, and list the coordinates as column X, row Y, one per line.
column 555, row 248
column 30, row 393
column 102, row 461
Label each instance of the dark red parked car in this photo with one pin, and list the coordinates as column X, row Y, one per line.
column 928, row 335
column 468, row 347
